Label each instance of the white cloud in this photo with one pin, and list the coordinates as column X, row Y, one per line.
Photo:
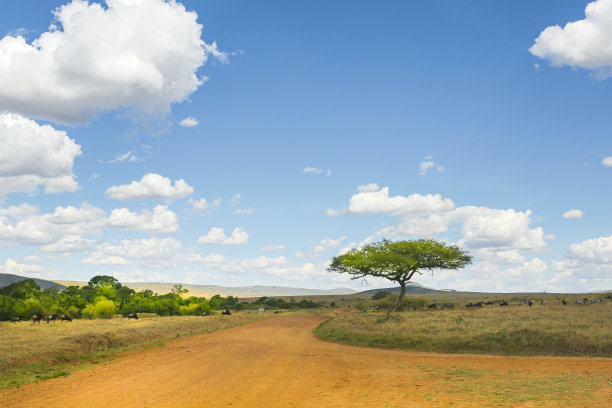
column 31, row 271
column 315, row 170
column 244, row 211
column 150, row 186
column 235, row 200
column 596, row 251
column 583, row 43
column 429, row 164
column 573, row 214
column 73, row 215
column 273, row 247
column 189, row 122
column 332, row 213
column 202, row 205
column 216, row 236
column 70, row 243
column 129, row 157
column 160, row 221
column 371, row 202
column 153, row 249
column 323, row 246
column 140, row 54
column 32, row 155
column 367, row 188
column 607, row 161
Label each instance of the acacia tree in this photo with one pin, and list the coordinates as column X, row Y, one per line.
column 399, row 261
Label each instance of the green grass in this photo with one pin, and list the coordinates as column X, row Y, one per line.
column 513, row 330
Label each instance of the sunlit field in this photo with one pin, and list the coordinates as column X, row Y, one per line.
column 549, row 329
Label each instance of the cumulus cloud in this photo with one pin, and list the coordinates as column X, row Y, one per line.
column 323, row 246
column 202, row 205
column 33, row 155
column 367, row 188
column 189, row 121
column 584, row 43
column 138, row 54
column 607, row 161
column 370, row 202
column 152, row 249
column 332, row 213
column 216, row 236
column 150, row 186
column 13, row 267
column 25, row 225
column 573, row 214
column 159, row 221
column 429, row 164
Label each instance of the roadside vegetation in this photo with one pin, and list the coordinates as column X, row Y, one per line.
column 544, row 329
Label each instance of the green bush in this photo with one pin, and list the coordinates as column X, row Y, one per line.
column 105, row 308
column 89, row 311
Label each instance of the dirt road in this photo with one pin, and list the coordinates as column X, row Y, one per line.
column 279, row 363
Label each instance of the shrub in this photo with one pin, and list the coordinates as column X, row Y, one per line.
column 89, row 311
column 105, row 308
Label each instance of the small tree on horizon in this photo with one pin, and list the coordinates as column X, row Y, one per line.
column 398, row 261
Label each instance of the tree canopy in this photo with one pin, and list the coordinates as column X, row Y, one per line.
column 398, row 261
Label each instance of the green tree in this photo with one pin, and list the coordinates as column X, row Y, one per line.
column 398, row 261
column 179, row 290
column 102, row 279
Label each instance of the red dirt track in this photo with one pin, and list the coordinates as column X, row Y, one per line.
column 278, row 363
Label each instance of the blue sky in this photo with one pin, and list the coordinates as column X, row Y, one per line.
column 308, row 128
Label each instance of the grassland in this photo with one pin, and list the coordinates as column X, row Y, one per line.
column 29, row 351
column 550, row 329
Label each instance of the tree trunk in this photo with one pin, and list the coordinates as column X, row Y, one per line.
column 400, row 299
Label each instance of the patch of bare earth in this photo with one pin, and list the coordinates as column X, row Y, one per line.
column 280, row 363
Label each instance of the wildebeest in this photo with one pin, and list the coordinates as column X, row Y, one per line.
column 530, row 303
column 206, row 314
column 51, row 318
column 469, row 304
column 132, row 316
column 15, row 319
column 432, row 306
column 503, row 303
column 37, row 318
column 278, row 312
column 65, row 318
column 226, row 312
column 564, row 302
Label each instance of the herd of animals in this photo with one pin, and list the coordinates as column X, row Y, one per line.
column 579, row 302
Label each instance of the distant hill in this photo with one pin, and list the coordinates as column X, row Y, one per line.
column 411, row 289
column 7, row 278
column 239, row 291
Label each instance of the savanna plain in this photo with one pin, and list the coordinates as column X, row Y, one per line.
column 355, row 353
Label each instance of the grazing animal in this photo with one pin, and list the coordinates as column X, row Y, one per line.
column 132, row 316
column 206, row 314
column 530, row 303
column 479, row 304
column 278, row 312
column 37, row 318
column 595, row 300
column 432, row 306
column 226, row 312
column 15, row 319
column 522, row 303
column 51, row 318
column 65, row 318
column 579, row 302
column 564, row 302
column 448, row 306
column 469, row 304
column 503, row 303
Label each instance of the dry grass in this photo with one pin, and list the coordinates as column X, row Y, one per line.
column 29, row 351
column 515, row 330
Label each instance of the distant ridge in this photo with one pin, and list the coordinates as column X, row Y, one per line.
column 411, row 288
column 7, row 278
column 239, row 291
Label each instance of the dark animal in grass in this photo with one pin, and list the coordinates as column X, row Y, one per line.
column 432, row 306
column 469, row 304
column 447, row 306
column 51, row 318
column 65, row 318
column 15, row 319
column 278, row 311
column 206, row 314
column 226, row 312
column 132, row 316
column 530, row 303
column 564, row 302
column 503, row 303
column 37, row 318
